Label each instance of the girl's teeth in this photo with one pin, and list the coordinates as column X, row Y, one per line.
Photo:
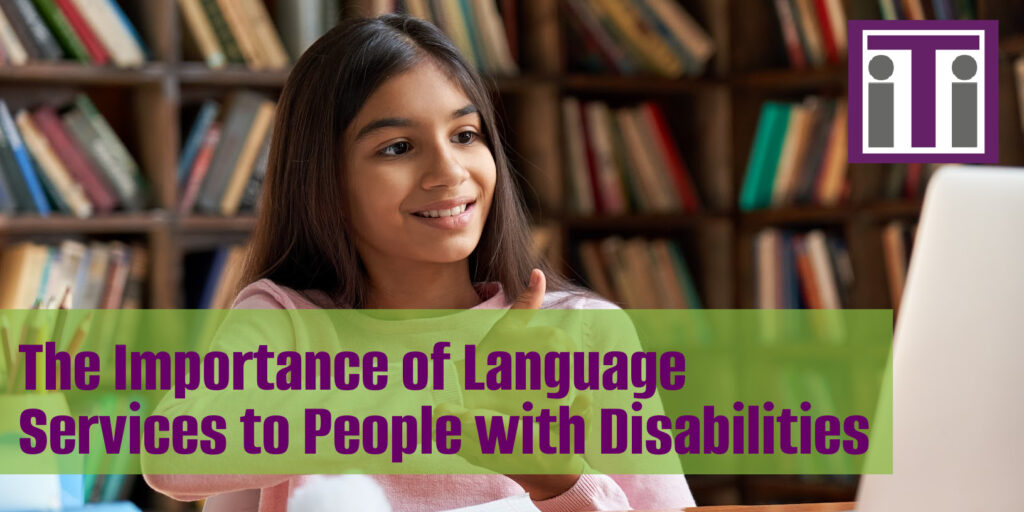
column 445, row 213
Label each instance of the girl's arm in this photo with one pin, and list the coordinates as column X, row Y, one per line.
column 618, row 492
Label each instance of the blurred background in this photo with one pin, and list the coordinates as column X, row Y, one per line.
column 674, row 153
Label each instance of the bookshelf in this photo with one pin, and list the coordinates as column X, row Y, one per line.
column 712, row 117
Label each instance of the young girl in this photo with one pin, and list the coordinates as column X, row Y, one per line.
column 388, row 187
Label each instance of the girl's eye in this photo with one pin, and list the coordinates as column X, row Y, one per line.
column 467, row 137
column 396, row 149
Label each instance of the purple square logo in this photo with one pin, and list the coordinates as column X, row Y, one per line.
column 924, row 91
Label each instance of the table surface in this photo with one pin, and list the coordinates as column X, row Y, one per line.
column 805, row 507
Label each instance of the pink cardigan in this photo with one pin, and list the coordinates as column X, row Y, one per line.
column 436, row 492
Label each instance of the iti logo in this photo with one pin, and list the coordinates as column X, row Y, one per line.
column 924, row 91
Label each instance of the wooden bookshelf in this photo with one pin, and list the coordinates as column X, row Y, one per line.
column 713, row 118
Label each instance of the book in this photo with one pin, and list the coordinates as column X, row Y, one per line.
column 21, row 270
column 595, row 269
column 764, row 156
column 70, row 192
column 61, row 29
column 16, row 183
column 301, row 22
column 23, row 12
column 832, row 176
column 247, row 158
column 22, row 32
column 794, row 144
column 125, row 175
column 492, row 30
column 790, row 35
column 200, row 166
column 222, row 31
column 238, row 23
column 271, row 49
column 7, row 204
column 609, row 184
column 637, row 33
column 114, row 30
column 576, row 157
column 239, row 115
column 24, row 162
column 14, row 52
column 251, row 195
column 78, row 165
column 676, row 168
column 697, row 42
column 133, row 288
column 454, row 24
column 202, row 32
column 583, row 13
column 204, row 118
column 86, row 34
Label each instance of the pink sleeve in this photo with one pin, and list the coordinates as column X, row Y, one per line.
column 621, row 492
column 591, row 492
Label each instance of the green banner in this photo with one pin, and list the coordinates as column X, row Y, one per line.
column 446, row 392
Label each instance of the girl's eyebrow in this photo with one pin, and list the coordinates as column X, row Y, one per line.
column 389, row 122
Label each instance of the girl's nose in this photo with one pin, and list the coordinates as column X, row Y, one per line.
column 444, row 170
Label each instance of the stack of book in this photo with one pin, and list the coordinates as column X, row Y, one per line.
column 802, row 270
column 907, row 182
column 814, row 31
column 235, row 32
column 897, row 241
column 798, row 155
column 639, row 36
column 483, row 33
column 224, row 158
column 99, row 275
column 927, row 9
column 214, row 277
column 88, row 31
column 65, row 159
column 624, row 160
column 639, row 273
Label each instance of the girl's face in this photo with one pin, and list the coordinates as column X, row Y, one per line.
column 420, row 176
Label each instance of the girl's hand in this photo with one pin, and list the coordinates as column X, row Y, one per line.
column 512, row 334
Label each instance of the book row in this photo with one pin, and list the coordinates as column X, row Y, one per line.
column 639, row 272
column 622, row 160
column 907, row 182
column 224, row 157
column 65, row 159
column 927, row 9
column 484, row 31
column 93, row 32
column 73, row 274
column 799, row 155
column 242, row 31
column 814, row 31
column 802, row 270
column 636, row 36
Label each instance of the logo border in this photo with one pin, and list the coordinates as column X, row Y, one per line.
column 856, row 28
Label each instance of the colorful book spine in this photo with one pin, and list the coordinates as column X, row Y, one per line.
column 62, row 30
column 97, row 52
column 28, row 171
column 48, row 46
column 207, row 113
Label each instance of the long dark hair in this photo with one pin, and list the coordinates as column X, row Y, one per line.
column 303, row 237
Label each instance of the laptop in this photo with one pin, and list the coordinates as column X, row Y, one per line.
column 958, row 361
